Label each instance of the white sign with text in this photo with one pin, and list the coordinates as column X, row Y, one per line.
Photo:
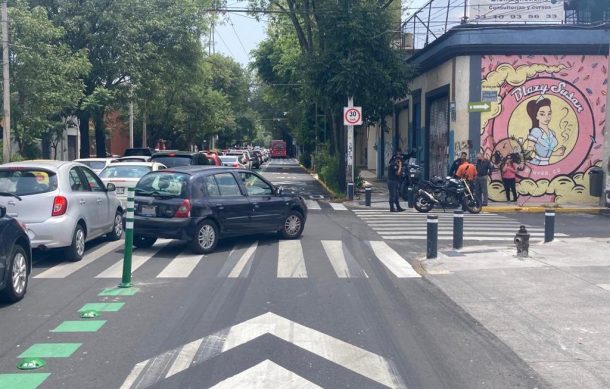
column 521, row 11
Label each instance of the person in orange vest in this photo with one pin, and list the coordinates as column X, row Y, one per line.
column 467, row 171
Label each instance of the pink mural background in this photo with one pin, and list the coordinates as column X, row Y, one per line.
column 550, row 116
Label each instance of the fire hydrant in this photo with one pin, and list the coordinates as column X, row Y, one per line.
column 522, row 241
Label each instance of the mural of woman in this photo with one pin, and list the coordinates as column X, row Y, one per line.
column 542, row 142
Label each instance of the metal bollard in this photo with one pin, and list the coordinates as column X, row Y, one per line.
column 126, row 278
column 410, row 197
column 458, row 229
column 522, row 242
column 549, row 226
column 350, row 191
column 432, row 236
column 367, row 197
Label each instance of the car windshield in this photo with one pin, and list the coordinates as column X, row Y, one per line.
column 163, row 184
column 174, row 161
column 24, row 182
column 125, row 171
column 95, row 165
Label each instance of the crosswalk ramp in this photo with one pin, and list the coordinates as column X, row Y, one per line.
column 411, row 225
column 291, row 259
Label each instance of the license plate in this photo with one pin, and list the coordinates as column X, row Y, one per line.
column 148, row 210
column 120, row 190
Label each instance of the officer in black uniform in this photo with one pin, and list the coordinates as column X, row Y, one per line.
column 394, row 171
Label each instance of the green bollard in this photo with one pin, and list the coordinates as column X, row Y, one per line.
column 126, row 279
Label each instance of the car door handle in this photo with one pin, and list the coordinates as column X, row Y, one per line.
column 256, row 205
column 220, row 207
column 82, row 202
column 99, row 201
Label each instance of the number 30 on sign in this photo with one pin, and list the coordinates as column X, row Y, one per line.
column 352, row 116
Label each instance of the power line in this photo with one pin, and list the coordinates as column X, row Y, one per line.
column 225, row 43
column 238, row 38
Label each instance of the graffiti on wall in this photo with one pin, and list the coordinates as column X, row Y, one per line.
column 550, row 117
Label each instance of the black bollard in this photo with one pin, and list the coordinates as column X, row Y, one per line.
column 367, row 197
column 432, row 236
column 458, row 229
column 350, row 191
column 410, row 197
column 549, row 226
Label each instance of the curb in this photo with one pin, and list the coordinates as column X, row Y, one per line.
column 541, row 209
column 315, row 177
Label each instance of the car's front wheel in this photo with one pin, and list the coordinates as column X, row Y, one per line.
column 17, row 281
column 293, row 225
column 117, row 227
column 205, row 237
column 143, row 242
column 76, row 250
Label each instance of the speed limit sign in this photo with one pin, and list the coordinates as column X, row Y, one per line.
column 352, row 116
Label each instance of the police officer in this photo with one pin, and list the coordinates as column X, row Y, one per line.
column 394, row 172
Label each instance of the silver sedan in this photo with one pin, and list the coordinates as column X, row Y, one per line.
column 63, row 204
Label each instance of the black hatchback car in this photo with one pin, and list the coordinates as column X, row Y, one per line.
column 15, row 258
column 180, row 158
column 204, row 204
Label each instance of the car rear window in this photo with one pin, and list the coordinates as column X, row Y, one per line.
column 125, row 171
column 95, row 165
column 24, row 182
column 163, row 184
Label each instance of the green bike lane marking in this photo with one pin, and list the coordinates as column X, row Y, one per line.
column 50, row 350
column 22, row 381
column 102, row 307
column 63, row 350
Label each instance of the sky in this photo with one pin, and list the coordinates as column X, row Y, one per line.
column 241, row 33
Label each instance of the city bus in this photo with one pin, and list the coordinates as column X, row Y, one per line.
column 278, row 149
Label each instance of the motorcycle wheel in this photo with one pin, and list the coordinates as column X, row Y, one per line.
column 472, row 205
column 423, row 203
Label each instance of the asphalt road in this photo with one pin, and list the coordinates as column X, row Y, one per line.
column 341, row 307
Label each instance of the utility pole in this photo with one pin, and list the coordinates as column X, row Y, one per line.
column 144, row 137
column 131, row 123
column 6, row 86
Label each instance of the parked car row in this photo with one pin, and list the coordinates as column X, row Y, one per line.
column 199, row 197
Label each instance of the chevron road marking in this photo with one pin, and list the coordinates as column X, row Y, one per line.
column 363, row 362
column 266, row 375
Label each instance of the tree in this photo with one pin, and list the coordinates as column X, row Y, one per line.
column 46, row 77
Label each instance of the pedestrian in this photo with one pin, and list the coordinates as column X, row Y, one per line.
column 509, row 178
column 467, row 171
column 394, row 172
column 456, row 164
column 484, row 170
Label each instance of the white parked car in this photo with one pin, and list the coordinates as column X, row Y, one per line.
column 231, row 161
column 126, row 175
column 63, row 204
column 96, row 164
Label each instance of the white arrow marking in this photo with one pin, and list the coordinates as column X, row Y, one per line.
column 480, row 106
column 356, row 359
column 266, row 375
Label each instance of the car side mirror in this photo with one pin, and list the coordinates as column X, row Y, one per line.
column 110, row 187
column 2, row 211
column 279, row 190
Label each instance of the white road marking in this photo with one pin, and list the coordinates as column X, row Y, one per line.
column 394, row 262
column 290, row 261
column 338, row 207
column 356, row 359
column 312, row 205
column 65, row 269
column 185, row 358
column 448, row 237
column 336, row 255
column 243, row 261
column 181, row 267
column 466, row 233
column 139, row 258
column 266, row 375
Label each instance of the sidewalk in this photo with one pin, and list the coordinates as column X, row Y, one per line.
column 552, row 309
column 379, row 199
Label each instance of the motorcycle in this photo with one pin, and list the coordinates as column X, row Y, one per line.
column 448, row 193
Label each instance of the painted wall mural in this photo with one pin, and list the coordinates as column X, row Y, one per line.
column 550, row 117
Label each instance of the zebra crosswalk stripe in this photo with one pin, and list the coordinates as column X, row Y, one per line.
column 246, row 259
column 290, row 261
column 336, row 254
column 140, row 257
column 181, row 267
column 392, row 260
column 312, row 205
column 338, row 207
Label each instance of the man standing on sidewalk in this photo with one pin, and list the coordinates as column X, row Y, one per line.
column 456, row 164
column 394, row 172
column 484, row 170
